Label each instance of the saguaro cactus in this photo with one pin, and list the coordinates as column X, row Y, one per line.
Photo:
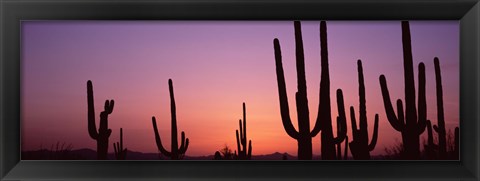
column 440, row 129
column 430, row 147
column 120, row 153
column 413, row 124
column 324, row 122
column 359, row 145
column 103, row 131
column 176, row 152
column 243, row 153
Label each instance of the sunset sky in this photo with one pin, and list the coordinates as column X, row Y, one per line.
column 215, row 67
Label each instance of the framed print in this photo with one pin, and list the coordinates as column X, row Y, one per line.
column 206, row 89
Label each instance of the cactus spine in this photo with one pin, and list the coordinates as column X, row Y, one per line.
column 440, row 129
column 413, row 124
column 103, row 131
column 359, row 145
column 243, row 153
column 120, row 153
column 323, row 122
column 176, row 152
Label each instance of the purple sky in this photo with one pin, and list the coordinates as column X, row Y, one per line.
column 215, row 66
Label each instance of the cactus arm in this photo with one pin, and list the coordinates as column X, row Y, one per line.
column 324, row 97
column 108, row 108
column 422, row 103
column 282, row 93
column 121, row 139
column 244, row 125
column 249, row 155
column 410, row 106
column 353, row 121
column 184, row 144
column 436, row 128
column 361, row 91
column 341, row 119
column 442, row 141
column 346, row 148
column 183, row 149
column 373, row 142
column 92, row 128
column 301, row 94
column 159, row 140
column 241, row 133
column 391, row 117
column 238, row 141
column 115, row 148
column 401, row 116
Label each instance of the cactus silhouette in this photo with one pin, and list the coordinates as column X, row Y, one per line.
column 176, row 152
column 217, row 156
column 339, row 150
column 359, row 146
column 412, row 124
column 120, row 153
column 440, row 129
column 456, row 150
column 430, row 147
column 103, row 131
column 323, row 122
column 243, row 153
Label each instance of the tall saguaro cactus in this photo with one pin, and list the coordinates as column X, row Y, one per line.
column 414, row 123
column 323, row 122
column 120, row 153
column 359, row 145
column 243, row 153
column 176, row 152
column 103, row 131
column 440, row 129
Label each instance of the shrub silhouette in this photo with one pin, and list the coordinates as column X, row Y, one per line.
column 225, row 154
column 176, row 152
column 323, row 122
column 103, row 131
column 413, row 124
column 217, row 156
column 243, row 153
column 120, row 153
column 359, row 146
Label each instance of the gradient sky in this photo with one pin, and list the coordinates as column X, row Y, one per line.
column 215, row 67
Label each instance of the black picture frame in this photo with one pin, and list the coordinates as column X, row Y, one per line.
column 12, row 12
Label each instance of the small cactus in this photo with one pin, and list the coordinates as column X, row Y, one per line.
column 120, row 153
column 176, row 152
column 440, row 129
column 243, row 152
column 103, row 131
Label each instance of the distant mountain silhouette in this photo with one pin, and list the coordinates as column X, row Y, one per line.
column 89, row 154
